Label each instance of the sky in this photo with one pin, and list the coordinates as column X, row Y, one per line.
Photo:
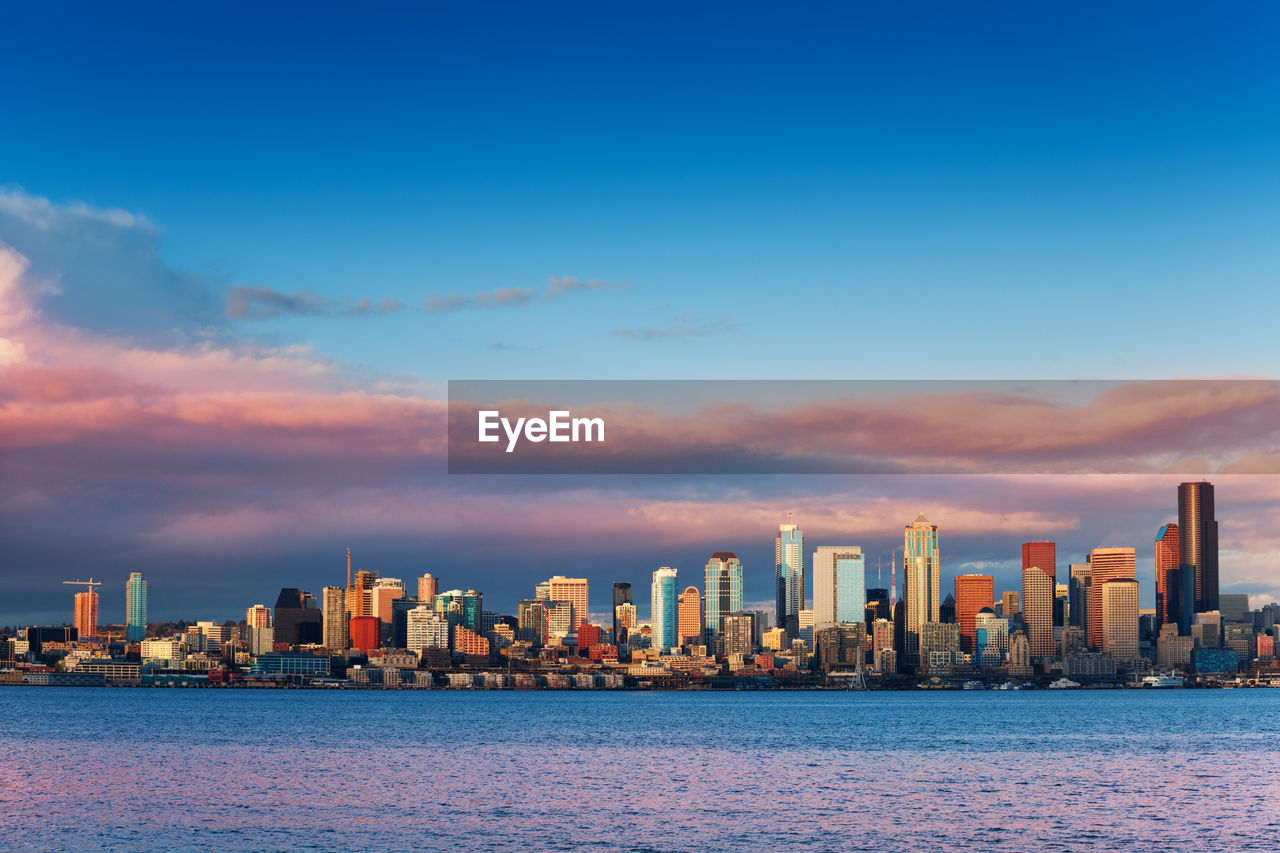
column 243, row 249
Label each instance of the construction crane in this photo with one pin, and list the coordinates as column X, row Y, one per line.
column 90, row 583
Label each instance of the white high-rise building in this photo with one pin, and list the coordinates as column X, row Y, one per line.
column 839, row 585
column 922, row 602
column 789, row 564
column 426, row 629
column 335, row 626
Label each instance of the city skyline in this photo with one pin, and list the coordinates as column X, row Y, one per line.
column 822, row 565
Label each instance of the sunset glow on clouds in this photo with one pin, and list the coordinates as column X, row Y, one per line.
column 224, row 467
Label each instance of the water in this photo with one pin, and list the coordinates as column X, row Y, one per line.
column 165, row 770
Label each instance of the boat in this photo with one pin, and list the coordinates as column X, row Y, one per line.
column 1008, row 685
column 1064, row 684
column 1165, row 680
column 974, row 685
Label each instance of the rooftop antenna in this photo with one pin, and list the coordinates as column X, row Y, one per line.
column 348, row 568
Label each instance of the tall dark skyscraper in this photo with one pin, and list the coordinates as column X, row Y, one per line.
column 297, row 621
column 621, row 595
column 1198, row 544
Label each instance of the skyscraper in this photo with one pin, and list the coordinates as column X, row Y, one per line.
column 260, row 635
column 334, row 634
column 921, row 560
column 973, row 592
column 1078, row 596
column 86, row 614
column 1119, row 620
column 662, row 608
column 789, row 563
column 723, row 587
column 621, row 596
column 1044, row 556
column 1198, row 545
column 1037, row 610
column 531, row 616
column 839, row 585
column 1105, row 564
column 428, row 587
column 135, row 605
column 294, row 622
column 572, row 590
column 1168, row 558
column 689, row 617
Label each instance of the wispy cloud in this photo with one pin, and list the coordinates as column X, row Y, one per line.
column 255, row 302
column 683, row 328
column 512, row 297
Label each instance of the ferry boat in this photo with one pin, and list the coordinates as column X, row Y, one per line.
column 1162, row 681
column 1064, row 684
column 974, row 685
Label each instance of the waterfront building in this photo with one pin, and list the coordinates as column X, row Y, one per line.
column 1037, row 610
column 1198, row 547
column 1106, row 564
column 1120, row 618
column 290, row 663
column 922, row 592
column 1168, row 558
column 689, row 617
column 973, row 592
column 723, row 585
column 135, row 604
column 662, row 608
column 1206, row 661
column 789, row 567
column 86, row 614
column 839, row 585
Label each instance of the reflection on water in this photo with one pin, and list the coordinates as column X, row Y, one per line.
column 163, row 770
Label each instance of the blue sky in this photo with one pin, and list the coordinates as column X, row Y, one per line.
column 897, row 190
column 1051, row 190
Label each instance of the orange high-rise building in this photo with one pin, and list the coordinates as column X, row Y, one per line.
column 689, row 617
column 468, row 642
column 1037, row 611
column 1105, row 564
column 1168, row 549
column 973, row 592
column 86, row 615
column 428, row 588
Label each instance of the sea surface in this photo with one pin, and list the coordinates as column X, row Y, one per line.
column 213, row 769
